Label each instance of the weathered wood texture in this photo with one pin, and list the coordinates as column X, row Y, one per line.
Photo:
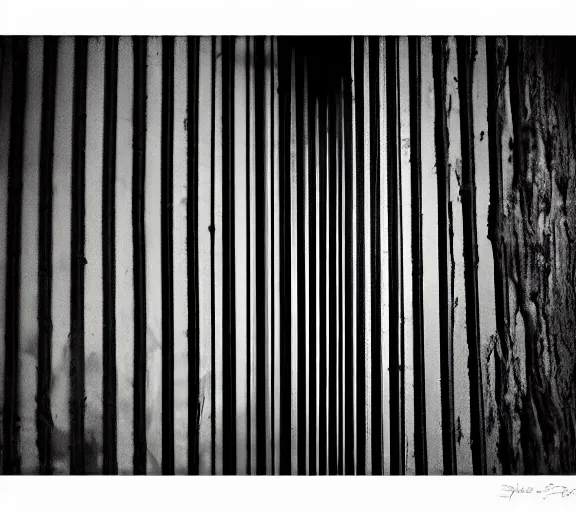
column 532, row 229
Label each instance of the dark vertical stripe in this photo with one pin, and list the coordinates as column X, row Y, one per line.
column 498, row 247
column 340, row 468
column 360, row 299
column 77, row 259
column 439, row 62
column 349, row 299
column 420, row 445
column 110, row 464
column 332, row 311
column 44, row 422
column 465, row 50
column 261, row 247
column 376, row 384
column 273, row 91
column 13, row 252
column 248, row 271
column 212, row 260
column 339, row 97
column 312, row 356
column 395, row 266
column 228, row 274
column 285, row 79
column 194, row 402
column 167, row 152
column 322, row 405
column 301, row 260
column 138, row 233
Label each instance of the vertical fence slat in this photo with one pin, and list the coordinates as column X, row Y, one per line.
column 43, row 410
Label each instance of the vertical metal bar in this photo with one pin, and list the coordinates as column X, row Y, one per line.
column 229, row 288
column 397, row 462
column 340, row 173
column 194, row 405
column 43, row 410
column 249, row 234
column 77, row 259
column 274, row 235
column 420, row 444
column 376, row 353
column 465, row 51
column 444, row 215
column 212, row 258
column 110, row 463
column 138, row 233
column 11, row 459
column 349, row 274
column 261, row 250
column 167, row 170
column 360, row 271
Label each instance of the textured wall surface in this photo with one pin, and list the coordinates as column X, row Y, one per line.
column 287, row 255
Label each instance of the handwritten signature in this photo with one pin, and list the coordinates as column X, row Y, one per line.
column 550, row 490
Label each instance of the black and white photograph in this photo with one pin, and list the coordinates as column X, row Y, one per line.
column 275, row 254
